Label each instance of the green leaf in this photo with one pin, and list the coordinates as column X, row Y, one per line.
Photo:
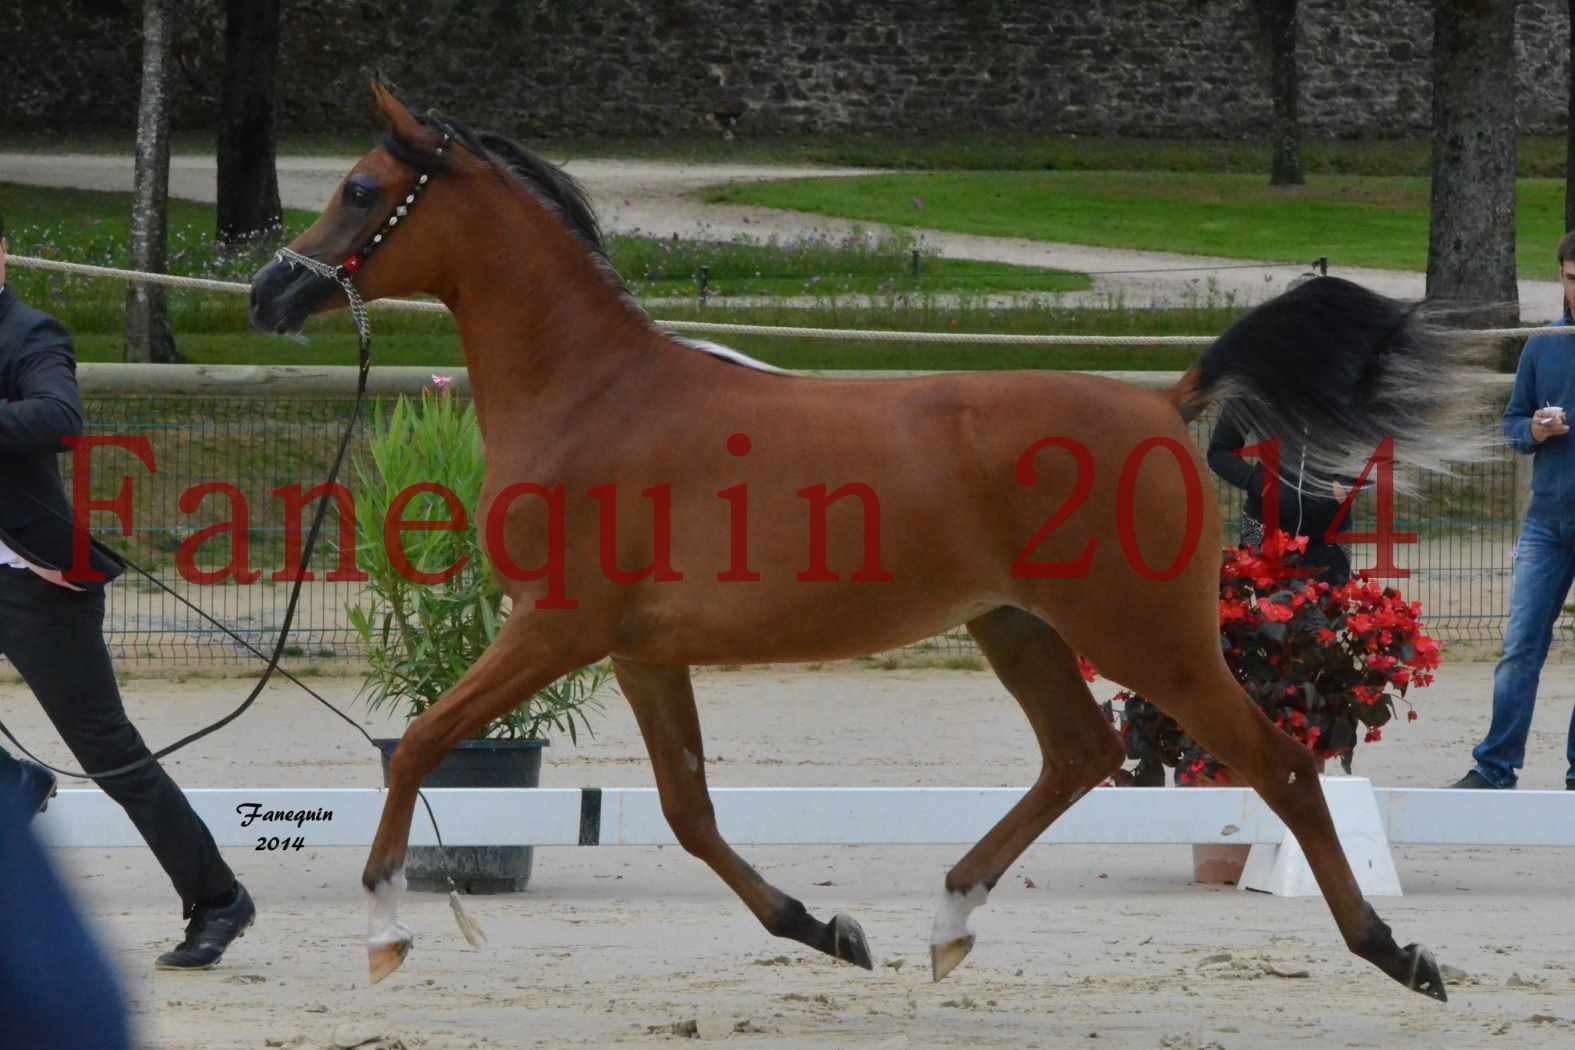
column 429, row 636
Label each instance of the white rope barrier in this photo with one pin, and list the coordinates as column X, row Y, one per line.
column 719, row 328
column 199, row 283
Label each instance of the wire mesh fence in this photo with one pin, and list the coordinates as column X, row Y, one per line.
column 237, row 469
column 242, row 468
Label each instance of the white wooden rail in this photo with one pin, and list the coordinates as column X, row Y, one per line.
column 1369, row 820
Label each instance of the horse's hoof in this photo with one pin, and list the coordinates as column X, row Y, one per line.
column 384, row 959
column 945, row 957
column 1425, row 977
column 848, row 943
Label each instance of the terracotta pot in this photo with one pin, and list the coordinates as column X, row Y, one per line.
column 1217, row 865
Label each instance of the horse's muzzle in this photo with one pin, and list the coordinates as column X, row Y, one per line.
column 284, row 296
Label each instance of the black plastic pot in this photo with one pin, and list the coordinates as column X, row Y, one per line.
column 475, row 869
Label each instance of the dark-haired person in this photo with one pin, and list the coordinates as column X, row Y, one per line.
column 1536, row 423
column 1305, row 509
column 51, row 630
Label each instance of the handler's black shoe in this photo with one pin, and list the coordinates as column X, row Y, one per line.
column 209, row 933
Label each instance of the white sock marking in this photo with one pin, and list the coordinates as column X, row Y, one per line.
column 951, row 918
column 384, row 926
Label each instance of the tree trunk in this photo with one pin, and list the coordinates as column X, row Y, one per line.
column 1569, row 142
column 248, row 186
column 1471, row 242
column 1278, row 19
column 148, row 336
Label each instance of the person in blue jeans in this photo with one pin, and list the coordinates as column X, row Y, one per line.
column 1536, row 422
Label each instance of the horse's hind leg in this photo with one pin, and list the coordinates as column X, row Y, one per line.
column 664, row 705
column 1214, row 710
column 1079, row 746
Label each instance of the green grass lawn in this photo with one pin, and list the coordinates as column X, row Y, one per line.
column 92, row 227
column 655, row 268
column 1353, row 220
column 212, row 327
column 430, row 341
column 1223, row 214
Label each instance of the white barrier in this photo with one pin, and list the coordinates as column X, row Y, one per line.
column 1368, row 820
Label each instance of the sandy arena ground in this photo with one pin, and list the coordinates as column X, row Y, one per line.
column 1085, row 946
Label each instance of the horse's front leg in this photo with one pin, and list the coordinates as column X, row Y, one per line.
column 531, row 651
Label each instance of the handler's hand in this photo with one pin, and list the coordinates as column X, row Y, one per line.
column 1547, row 424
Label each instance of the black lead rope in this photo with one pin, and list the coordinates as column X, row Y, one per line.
column 284, row 630
column 342, row 275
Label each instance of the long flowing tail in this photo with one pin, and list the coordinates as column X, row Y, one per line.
column 1348, row 367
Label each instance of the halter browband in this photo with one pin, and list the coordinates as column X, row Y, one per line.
column 344, row 273
column 352, row 265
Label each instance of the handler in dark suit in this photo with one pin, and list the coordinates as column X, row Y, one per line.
column 51, row 629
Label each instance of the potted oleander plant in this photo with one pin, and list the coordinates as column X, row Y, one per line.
column 424, row 622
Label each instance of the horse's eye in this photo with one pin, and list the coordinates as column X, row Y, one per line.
column 359, row 195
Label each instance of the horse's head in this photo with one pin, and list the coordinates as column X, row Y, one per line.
column 371, row 231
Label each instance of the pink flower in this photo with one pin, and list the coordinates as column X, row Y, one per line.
column 441, row 383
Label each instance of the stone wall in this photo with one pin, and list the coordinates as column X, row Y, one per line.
column 651, row 67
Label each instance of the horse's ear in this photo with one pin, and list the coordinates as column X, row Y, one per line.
column 394, row 112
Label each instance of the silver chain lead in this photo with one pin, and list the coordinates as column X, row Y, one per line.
column 363, row 325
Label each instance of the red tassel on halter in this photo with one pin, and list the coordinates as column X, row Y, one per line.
column 353, row 264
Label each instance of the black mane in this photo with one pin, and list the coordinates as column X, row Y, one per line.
column 553, row 186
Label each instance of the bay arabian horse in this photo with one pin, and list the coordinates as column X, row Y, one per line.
column 1051, row 513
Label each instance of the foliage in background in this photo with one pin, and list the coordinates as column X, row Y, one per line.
column 423, row 636
column 91, row 227
column 1325, row 664
column 1540, row 156
column 862, row 262
column 212, row 328
column 833, row 282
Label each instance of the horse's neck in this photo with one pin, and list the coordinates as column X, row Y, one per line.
column 537, row 345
